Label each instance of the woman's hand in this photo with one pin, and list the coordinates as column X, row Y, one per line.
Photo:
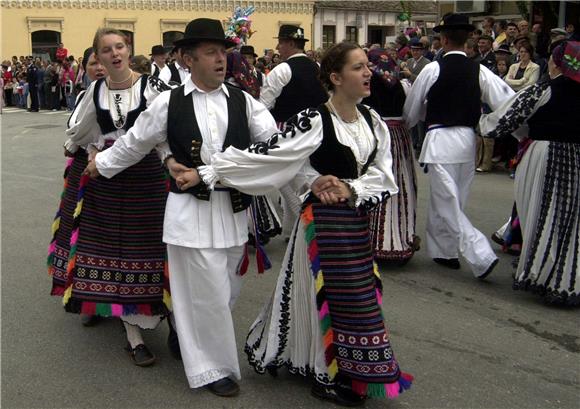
column 331, row 190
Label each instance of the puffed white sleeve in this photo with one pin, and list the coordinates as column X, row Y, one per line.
column 511, row 117
column 149, row 130
column 269, row 164
column 277, row 79
column 415, row 107
column 378, row 182
column 82, row 129
column 494, row 90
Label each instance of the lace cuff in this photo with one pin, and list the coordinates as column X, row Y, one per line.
column 208, row 176
column 70, row 146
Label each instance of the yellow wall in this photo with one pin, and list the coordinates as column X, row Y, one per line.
column 80, row 23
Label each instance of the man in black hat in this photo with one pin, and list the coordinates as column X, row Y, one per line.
column 448, row 94
column 250, row 55
column 159, row 57
column 205, row 225
column 291, row 87
column 176, row 72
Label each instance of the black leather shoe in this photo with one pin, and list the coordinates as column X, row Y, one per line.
column 173, row 343
column 338, row 395
column 141, row 355
column 489, row 269
column 452, row 263
column 497, row 239
column 90, row 320
column 225, row 387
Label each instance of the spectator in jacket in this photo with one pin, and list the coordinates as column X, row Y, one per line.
column 486, row 54
column 525, row 72
column 414, row 65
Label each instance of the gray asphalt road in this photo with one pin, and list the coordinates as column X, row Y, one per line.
column 469, row 344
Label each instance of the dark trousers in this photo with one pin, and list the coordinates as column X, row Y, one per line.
column 8, row 97
column 33, row 98
column 47, row 96
column 55, row 98
column 41, row 97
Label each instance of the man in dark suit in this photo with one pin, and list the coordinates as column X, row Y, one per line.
column 32, row 79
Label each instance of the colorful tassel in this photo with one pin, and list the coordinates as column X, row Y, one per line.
column 244, row 262
column 262, row 261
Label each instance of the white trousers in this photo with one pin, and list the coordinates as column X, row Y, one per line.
column 449, row 231
column 204, row 288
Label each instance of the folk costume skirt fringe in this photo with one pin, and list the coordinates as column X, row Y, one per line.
column 324, row 318
column 547, row 193
column 393, row 221
column 107, row 257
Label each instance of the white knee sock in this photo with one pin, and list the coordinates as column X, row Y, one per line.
column 133, row 335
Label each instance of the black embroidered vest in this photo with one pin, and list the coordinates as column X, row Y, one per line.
column 183, row 132
column 556, row 120
column 303, row 91
column 455, row 97
column 334, row 158
column 104, row 118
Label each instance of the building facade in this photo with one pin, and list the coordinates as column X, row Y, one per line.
column 368, row 21
column 35, row 27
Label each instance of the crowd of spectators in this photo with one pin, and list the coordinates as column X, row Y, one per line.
column 34, row 83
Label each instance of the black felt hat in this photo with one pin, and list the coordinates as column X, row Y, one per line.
column 291, row 32
column 248, row 49
column 454, row 21
column 204, row 29
column 158, row 50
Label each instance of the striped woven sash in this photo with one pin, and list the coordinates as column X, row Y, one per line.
column 348, row 289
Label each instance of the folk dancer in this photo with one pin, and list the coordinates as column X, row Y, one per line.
column 114, row 263
column 205, row 226
column 310, row 326
column 447, row 94
column 547, row 183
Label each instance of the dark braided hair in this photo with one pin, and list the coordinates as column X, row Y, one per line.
column 334, row 60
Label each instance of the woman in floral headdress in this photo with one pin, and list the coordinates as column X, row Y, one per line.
column 393, row 221
column 547, row 185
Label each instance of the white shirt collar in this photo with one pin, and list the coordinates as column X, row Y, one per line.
column 189, row 86
column 179, row 67
column 455, row 52
column 297, row 55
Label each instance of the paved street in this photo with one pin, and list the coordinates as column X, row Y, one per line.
column 469, row 344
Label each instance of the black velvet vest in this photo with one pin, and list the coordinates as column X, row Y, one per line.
column 557, row 120
column 175, row 77
column 455, row 98
column 104, row 118
column 183, row 134
column 334, row 158
column 303, row 91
